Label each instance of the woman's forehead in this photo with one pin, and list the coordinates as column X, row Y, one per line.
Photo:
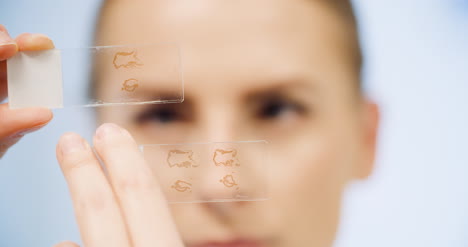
column 234, row 39
column 209, row 22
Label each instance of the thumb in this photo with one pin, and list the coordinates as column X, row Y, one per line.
column 66, row 244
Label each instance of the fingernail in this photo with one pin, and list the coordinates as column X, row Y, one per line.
column 126, row 133
column 106, row 130
column 5, row 39
column 36, row 36
column 71, row 143
column 35, row 39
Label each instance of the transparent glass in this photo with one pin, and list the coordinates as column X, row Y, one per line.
column 210, row 172
column 96, row 76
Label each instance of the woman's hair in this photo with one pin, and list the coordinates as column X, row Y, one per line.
column 344, row 9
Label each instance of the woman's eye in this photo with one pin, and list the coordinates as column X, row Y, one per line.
column 163, row 116
column 278, row 108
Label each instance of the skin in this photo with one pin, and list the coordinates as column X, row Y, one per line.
column 14, row 124
column 272, row 79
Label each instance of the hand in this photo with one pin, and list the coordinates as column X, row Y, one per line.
column 14, row 124
column 122, row 207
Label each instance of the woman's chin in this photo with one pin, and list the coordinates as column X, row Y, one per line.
column 234, row 243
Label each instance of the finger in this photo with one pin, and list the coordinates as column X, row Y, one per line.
column 34, row 42
column 66, row 244
column 14, row 124
column 8, row 46
column 3, row 80
column 96, row 209
column 22, row 121
column 6, row 143
column 143, row 205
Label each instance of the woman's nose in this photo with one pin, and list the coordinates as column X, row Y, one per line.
column 234, row 171
column 217, row 184
column 219, row 123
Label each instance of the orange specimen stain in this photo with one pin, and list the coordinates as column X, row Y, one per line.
column 130, row 85
column 180, row 158
column 126, row 60
column 182, row 186
column 228, row 181
column 223, row 157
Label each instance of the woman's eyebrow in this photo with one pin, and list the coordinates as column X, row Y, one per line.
column 283, row 87
column 166, row 90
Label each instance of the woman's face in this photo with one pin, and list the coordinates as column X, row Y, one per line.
column 271, row 70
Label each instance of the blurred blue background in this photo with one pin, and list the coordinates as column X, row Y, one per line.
column 417, row 69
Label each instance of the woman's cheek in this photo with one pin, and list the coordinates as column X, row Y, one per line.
column 306, row 187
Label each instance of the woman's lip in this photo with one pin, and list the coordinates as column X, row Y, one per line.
column 237, row 243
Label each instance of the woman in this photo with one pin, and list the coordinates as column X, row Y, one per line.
column 285, row 71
